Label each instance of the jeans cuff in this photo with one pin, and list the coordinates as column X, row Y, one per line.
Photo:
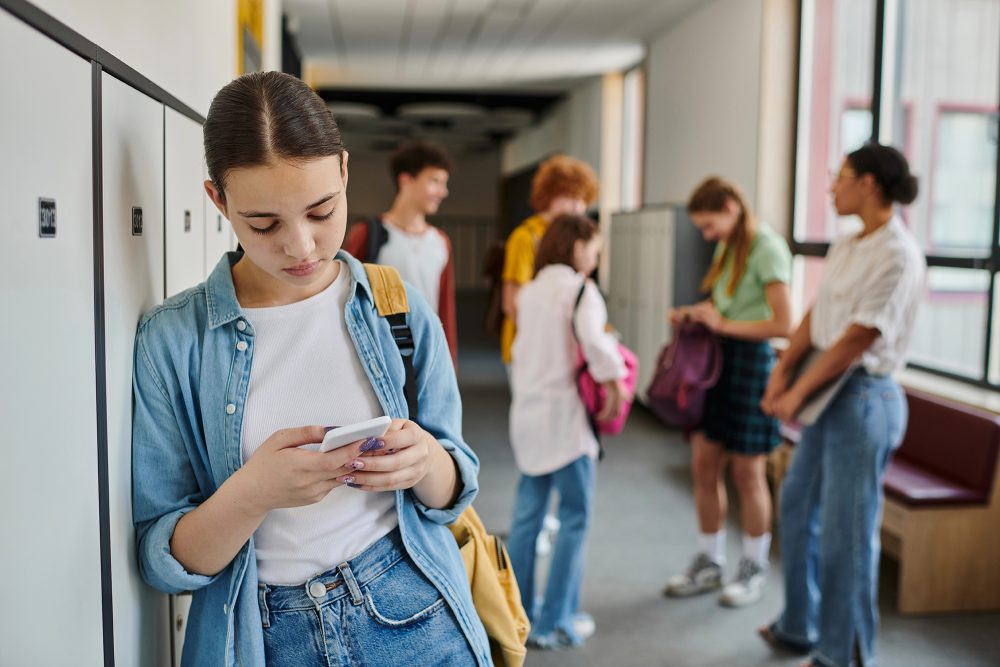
column 794, row 642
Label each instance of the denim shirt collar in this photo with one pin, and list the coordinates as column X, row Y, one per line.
column 220, row 293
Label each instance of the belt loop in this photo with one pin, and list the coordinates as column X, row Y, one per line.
column 265, row 614
column 352, row 584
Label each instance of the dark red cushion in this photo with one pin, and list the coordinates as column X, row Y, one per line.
column 916, row 486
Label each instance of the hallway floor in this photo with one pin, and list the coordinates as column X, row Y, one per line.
column 643, row 531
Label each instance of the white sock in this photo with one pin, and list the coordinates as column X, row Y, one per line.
column 714, row 544
column 757, row 549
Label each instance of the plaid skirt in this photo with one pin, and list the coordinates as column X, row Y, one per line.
column 732, row 415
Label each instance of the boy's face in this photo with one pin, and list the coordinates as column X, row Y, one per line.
column 426, row 190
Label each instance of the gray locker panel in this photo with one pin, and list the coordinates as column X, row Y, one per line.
column 185, row 209
column 134, row 282
column 50, row 551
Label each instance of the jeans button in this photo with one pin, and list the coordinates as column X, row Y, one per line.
column 317, row 589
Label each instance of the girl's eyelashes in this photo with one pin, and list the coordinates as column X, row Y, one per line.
column 272, row 227
column 320, row 218
column 265, row 230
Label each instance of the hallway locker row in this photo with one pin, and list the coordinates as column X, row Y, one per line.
column 69, row 318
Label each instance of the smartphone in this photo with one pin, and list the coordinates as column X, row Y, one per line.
column 345, row 435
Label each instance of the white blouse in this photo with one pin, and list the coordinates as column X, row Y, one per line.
column 548, row 425
column 875, row 282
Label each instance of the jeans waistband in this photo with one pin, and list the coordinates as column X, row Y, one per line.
column 344, row 580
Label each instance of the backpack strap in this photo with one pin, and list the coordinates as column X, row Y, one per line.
column 391, row 303
column 378, row 236
column 580, row 371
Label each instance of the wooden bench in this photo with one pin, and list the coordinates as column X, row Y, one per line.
column 942, row 507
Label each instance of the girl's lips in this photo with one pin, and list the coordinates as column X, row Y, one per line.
column 302, row 269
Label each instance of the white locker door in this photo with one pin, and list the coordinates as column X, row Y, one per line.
column 185, row 209
column 219, row 237
column 134, row 268
column 49, row 550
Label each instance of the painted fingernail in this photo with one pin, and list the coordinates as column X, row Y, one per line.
column 391, row 451
column 357, row 465
column 347, row 479
column 353, row 485
column 372, row 444
column 329, row 428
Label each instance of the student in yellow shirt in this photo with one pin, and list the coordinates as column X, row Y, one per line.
column 562, row 186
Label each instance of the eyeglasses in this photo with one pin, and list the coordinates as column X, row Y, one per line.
column 837, row 176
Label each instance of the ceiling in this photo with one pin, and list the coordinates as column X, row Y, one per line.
column 497, row 59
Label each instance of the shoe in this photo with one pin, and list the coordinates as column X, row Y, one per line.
column 702, row 576
column 584, row 625
column 747, row 587
column 552, row 641
column 550, row 526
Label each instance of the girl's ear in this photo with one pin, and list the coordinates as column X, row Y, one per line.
column 343, row 166
column 733, row 207
column 217, row 197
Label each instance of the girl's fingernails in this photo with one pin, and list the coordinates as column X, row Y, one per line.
column 372, row 444
column 357, row 464
column 327, row 429
column 391, row 451
column 347, row 479
column 353, row 485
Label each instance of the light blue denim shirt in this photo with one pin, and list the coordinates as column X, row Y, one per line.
column 190, row 385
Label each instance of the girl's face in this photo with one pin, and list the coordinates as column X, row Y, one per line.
column 717, row 225
column 290, row 219
column 585, row 254
column 850, row 191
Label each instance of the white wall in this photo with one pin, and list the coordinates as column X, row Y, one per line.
column 704, row 81
column 573, row 127
column 187, row 47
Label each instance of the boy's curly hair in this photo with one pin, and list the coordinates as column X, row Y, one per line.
column 562, row 176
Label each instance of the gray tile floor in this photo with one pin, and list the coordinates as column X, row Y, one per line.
column 643, row 530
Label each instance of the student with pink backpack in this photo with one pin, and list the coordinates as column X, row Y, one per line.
column 750, row 303
column 555, row 447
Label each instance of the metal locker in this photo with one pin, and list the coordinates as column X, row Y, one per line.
column 48, row 387
column 185, row 211
column 219, row 237
column 132, row 127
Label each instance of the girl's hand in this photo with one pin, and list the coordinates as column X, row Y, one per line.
column 706, row 313
column 279, row 474
column 786, row 406
column 401, row 460
column 777, row 384
column 615, row 397
column 677, row 316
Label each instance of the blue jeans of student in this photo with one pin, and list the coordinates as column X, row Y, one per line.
column 831, row 504
column 377, row 609
column 575, row 485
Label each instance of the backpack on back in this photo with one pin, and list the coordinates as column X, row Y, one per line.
column 688, row 367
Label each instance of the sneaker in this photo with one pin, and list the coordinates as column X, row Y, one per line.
column 747, row 587
column 702, row 576
column 552, row 641
column 550, row 526
column 584, row 625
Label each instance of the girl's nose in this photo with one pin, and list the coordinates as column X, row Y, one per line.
column 299, row 243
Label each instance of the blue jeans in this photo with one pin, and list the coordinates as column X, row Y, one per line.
column 377, row 609
column 575, row 485
column 831, row 504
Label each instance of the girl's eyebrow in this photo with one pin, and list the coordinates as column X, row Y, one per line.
column 264, row 214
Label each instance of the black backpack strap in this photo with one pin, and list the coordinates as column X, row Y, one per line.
column 378, row 236
column 391, row 303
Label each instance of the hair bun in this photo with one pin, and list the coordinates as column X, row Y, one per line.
column 905, row 189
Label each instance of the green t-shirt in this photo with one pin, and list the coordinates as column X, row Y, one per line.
column 769, row 261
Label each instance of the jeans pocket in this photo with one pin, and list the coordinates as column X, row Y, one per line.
column 402, row 597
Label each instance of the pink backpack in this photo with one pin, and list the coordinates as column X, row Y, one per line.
column 593, row 394
column 687, row 368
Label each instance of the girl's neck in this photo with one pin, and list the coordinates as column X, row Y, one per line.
column 256, row 289
column 407, row 218
column 874, row 219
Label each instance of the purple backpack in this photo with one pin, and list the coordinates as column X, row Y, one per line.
column 687, row 368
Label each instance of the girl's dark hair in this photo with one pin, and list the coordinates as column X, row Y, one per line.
column 556, row 246
column 890, row 170
column 264, row 116
column 711, row 196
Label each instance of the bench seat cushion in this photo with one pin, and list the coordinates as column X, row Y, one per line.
column 916, row 486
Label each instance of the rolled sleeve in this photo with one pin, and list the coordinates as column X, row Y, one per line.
column 439, row 406
column 157, row 565
column 886, row 296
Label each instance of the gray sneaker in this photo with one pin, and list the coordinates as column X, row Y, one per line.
column 702, row 576
column 747, row 587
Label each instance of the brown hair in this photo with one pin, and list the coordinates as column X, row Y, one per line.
column 413, row 157
column 556, row 246
column 711, row 197
column 562, row 176
column 263, row 116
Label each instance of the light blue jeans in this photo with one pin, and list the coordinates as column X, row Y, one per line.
column 377, row 609
column 575, row 485
column 831, row 506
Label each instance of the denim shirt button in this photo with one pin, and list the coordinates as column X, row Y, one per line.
column 241, row 346
column 317, row 589
column 230, row 409
column 241, row 325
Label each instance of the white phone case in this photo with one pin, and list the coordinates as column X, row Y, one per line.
column 345, row 435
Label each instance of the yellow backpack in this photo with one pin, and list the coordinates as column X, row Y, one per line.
column 494, row 587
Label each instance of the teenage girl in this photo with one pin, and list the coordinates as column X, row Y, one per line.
column 750, row 303
column 297, row 557
column 831, row 497
column 554, row 447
